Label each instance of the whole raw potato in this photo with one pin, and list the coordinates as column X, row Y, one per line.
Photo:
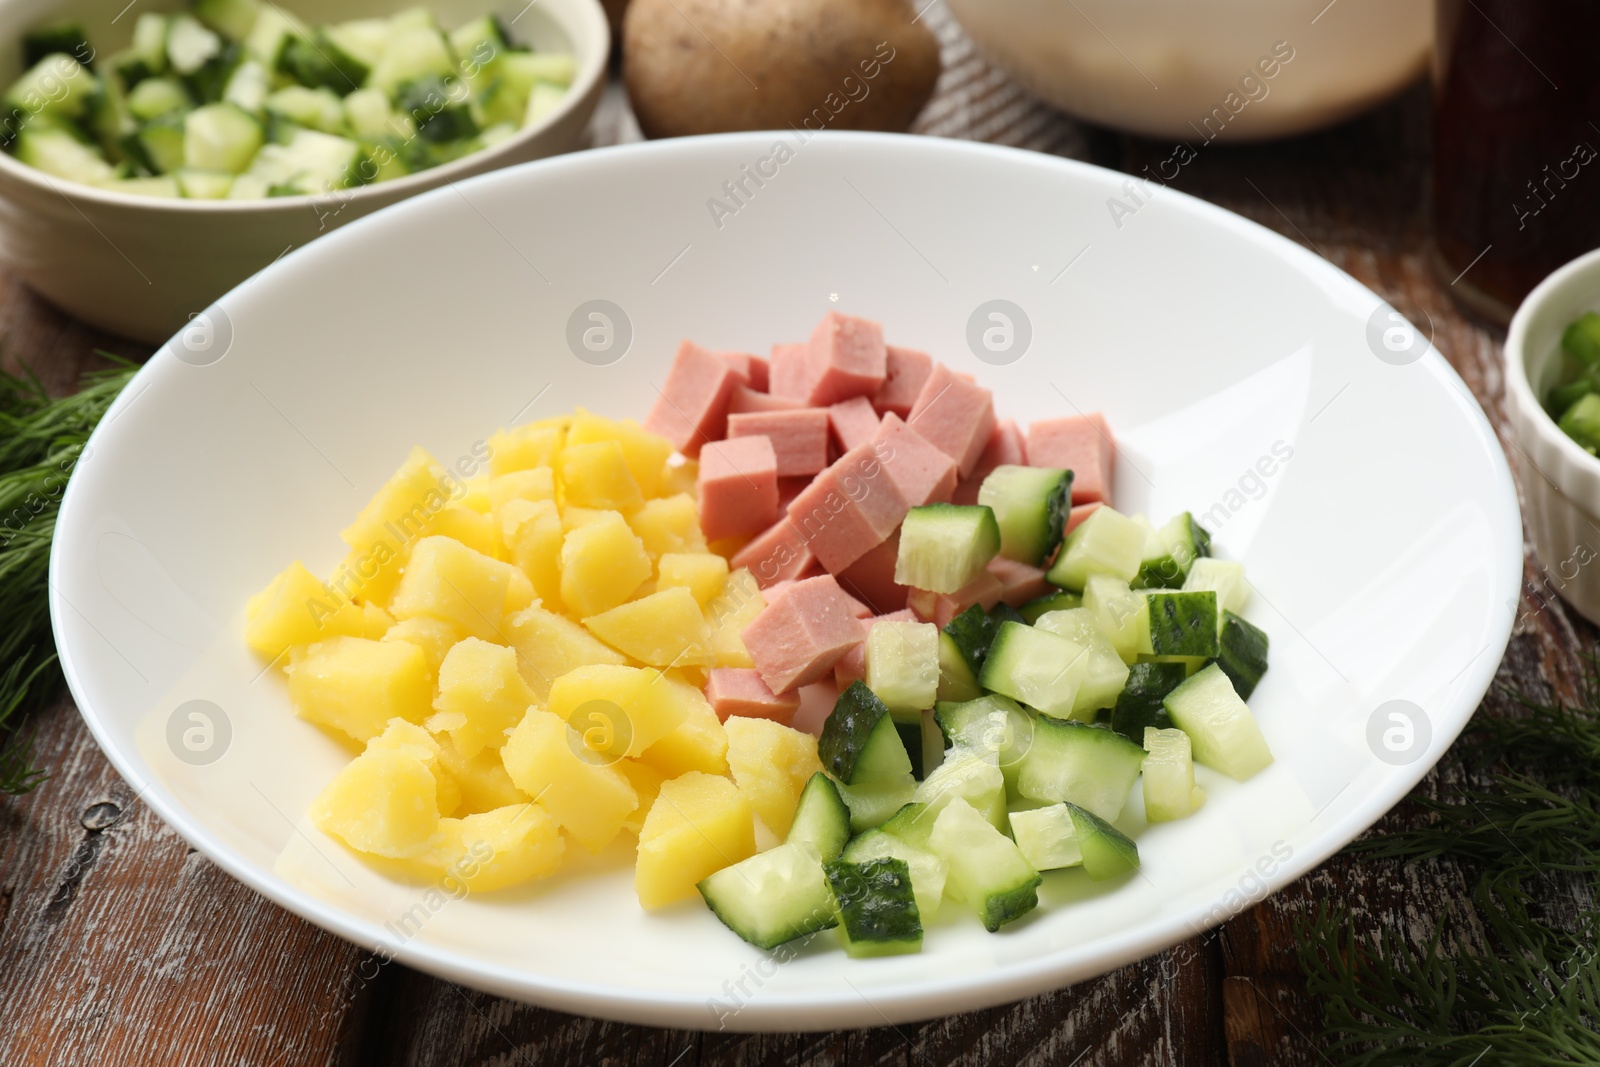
column 710, row 66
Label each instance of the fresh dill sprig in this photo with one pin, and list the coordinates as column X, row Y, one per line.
column 41, row 442
column 1518, row 981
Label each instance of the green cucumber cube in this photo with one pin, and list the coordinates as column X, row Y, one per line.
column 987, row 870
column 1168, row 778
column 1176, row 547
column 973, row 778
column 1041, row 669
column 773, row 897
column 1140, row 704
column 877, row 906
column 945, row 546
column 1091, row 766
column 1581, row 340
column 957, row 680
column 973, row 632
column 1582, row 423
column 1223, row 577
column 415, row 52
column 1183, row 624
column 872, row 804
column 1062, row 601
column 1107, row 851
column 859, row 744
column 154, row 97
column 1047, row 837
column 1107, row 542
column 821, row 819
column 1030, row 506
column 220, row 137
column 61, row 155
column 234, row 19
column 1120, row 613
column 903, row 666
column 1105, row 675
column 1220, row 726
column 928, row 872
column 1243, row 655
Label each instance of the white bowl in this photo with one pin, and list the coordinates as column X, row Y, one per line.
column 142, row 267
column 1179, row 68
column 1561, row 481
column 1370, row 502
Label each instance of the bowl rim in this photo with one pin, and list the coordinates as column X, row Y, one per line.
column 1585, row 270
column 568, row 14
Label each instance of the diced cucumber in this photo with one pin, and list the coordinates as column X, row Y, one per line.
column 413, row 53
column 380, row 163
column 1091, row 766
column 1107, row 542
column 190, row 45
column 155, row 97
column 220, row 137
column 772, row 897
column 1223, row 577
column 1047, row 837
column 310, row 164
column 1169, row 789
column 987, row 870
column 527, row 69
column 990, row 724
column 945, row 546
column 500, row 101
column 164, row 187
column 204, row 184
column 249, row 186
column 1119, row 613
column 973, row 632
column 147, row 56
column 928, row 872
column 364, row 39
column 911, row 823
column 1224, row 733
column 247, row 89
column 859, row 745
column 1106, row 674
column 108, row 121
column 1042, row 670
column 957, row 680
column 974, row 779
column 488, row 31
column 1107, row 851
column 315, row 109
column 1582, row 423
column 903, row 667
column 317, row 62
column 1581, row 339
column 158, row 146
column 1003, row 612
column 1561, row 398
column 1243, row 655
column 1030, row 506
column 1140, row 704
column 57, row 86
column 234, row 19
column 61, row 155
column 877, row 906
column 870, row 805
column 821, row 819
column 273, row 29
column 368, row 115
column 1182, row 624
column 442, row 110
column 1062, row 601
column 1171, row 552
column 60, row 38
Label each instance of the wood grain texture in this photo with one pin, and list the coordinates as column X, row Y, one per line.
column 121, row 946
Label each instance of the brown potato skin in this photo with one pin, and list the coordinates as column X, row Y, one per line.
column 689, row 65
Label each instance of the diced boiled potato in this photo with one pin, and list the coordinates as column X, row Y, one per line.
column 699, row 824
column 482, row 780
column 679, row 477
column 297, row 609
column 372, row 575
column 590, row 800
column 447, row 580
column 698, row 743
column 481, row 696
column 537, row 483
column 474, row 529
column 532, row 533
column 549, row 645
column 476, row 496
column 637, row 705
column 602, row 563
column 494, row 849
column 646, row 453
column 669, row 524
column 664, row 629
column 646, row 782
column 771, row 764
column 596, row 475
column 734, row 608
column 357, row 685
column 384, row 802
column 436, row 637
column 573, row 516
column 402, row 736
column 401, row 509
column 526, row 447
column 702, row 573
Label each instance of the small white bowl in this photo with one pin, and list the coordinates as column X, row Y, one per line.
column 143, row 267
column 1560, row 480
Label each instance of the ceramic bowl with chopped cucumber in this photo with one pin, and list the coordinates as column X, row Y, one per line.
column 154, row 159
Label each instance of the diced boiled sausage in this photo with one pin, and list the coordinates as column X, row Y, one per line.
column 799, row 437
column 1081, row 444
column 692, row 407
column 955, row 415
column 798, row 639
column 738, row 487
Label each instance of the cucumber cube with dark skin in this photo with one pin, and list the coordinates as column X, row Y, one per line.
column 859, row 743
column 1107, row 851
column 1562, row 397
column 62, row 38
column 821, row 819
column 318, row 63
column 1243, row 655
column 973, row 632
column 211, row 79
column 877, row 910
column 1582, row 423
column 1581, row 340
column 440, row 116
column 1063, row 601
column 1003, row 612
column 1139, row 705
column 1183, row 624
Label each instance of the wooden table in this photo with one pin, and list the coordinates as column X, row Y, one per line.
column 121, row 945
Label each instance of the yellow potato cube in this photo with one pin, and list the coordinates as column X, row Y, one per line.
column 371, row 578
column 357, row 685
column 646, row 453
column 494, row 849
column 481, row 696
column 400, row 511
column 538, row 483
column 549, row 645
column 596, row 475
column 525, row 448
column 702, row 573
column 474, row 529
column 483, row 780
column 447, row 580
column 698, row 825
column 589, row 799
column 435, row 637
column 662, row 629
column 682, row 476
column 573, row 516
column 384, row 802
column 698, row 743
column 402, row 736
column 602, row 563
column 646, row 782
column 532, row 533
column 771, row 764
column 669, row 524
column 734, row 608
column 297, row 609
column 630, row 708
column 476, row 495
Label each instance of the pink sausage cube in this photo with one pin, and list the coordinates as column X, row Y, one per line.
column 846, row 358
column 1006, row 447
column 907, row 371
column 789, row 372
column 1019, row 583
column 1078, row 513
column 854, row 422
column 789, row 488
column 744, row 399
column 871, row 578
column 692, row 407
column 797, row 640
column 1081, row 444
column 799, row 437
column 737, row 691
column 852, row 666
column 776, row 554
column 940, row 608
column 751, row 369
column 923, row 473
column 738, row 487
column 850, row 509
column 955, row 415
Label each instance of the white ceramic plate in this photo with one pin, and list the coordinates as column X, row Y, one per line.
column 1367, row 496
